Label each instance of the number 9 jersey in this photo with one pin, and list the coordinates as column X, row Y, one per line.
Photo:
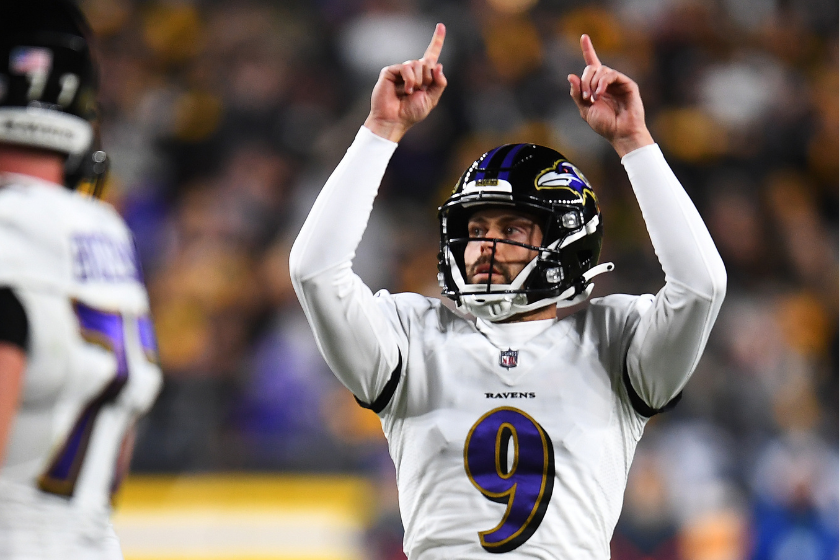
column 91, row 369
column 508, row 438
column 528, row 457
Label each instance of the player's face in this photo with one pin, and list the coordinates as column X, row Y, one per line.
column 510, row 259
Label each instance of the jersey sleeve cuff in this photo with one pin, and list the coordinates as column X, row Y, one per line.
column 367, row 139
column 646, row 155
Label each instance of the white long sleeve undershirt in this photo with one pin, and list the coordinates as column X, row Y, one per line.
column 667, row 343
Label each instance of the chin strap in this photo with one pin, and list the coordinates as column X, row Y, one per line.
column 498, row 307
column 568, row 298
column 587, row 277
column 598, row 269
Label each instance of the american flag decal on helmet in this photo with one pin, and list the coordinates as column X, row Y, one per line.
column 30, row 60
column 509, row 358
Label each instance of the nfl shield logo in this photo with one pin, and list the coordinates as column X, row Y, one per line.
column 508, row 358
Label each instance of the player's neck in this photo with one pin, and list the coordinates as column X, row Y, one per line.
column 547, row 312
column 41, row 164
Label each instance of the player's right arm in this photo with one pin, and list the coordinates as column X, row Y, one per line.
column 356, row 338
column 14, row 335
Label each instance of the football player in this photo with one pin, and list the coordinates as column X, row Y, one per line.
column 77, row 349
column 512, row 432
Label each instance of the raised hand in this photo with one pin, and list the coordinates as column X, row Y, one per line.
column 609, row 102
column 406, row 93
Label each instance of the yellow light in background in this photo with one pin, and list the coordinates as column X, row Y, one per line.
column 718, row 535
column 174, row 32
column 512, row 6
column 606, row 32
column 243, row 517
column 690, row 135
column 106, row 17
column 513, row 47
column 197, row 116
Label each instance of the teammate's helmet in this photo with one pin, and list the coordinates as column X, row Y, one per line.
column 542, row 184
column 48, row 79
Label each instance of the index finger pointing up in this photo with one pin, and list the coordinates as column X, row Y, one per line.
column 589, row 55
column 433, row 51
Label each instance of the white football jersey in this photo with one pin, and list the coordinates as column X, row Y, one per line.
column 91, row 369
column 511, row 439
column 500, row 449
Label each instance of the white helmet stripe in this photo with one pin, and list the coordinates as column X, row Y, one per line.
column 43, row 128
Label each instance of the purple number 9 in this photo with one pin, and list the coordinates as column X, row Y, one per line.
column 524, row 482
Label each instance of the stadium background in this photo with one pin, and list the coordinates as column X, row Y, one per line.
column 224, row 118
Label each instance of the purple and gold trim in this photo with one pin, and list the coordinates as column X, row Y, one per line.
column 106, row 330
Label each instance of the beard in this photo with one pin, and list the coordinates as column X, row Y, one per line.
column 501, row 273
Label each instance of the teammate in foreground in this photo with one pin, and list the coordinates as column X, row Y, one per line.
column 512, row 433
column 76, row 343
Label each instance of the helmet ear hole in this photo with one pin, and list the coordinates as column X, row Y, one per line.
column 585, row 258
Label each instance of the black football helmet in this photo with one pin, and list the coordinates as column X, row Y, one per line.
column 543, row 185
column 48, row 83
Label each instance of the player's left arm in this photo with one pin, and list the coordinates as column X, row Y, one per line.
column 672, row 332
column 14, row 335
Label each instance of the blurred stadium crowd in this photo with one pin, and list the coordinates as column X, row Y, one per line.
column 224, row 118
